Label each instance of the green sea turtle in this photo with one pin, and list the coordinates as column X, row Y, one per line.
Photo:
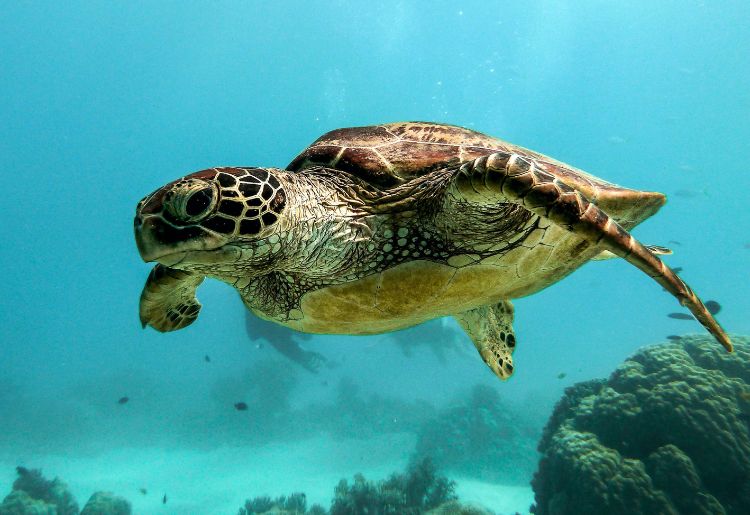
column 373, row 229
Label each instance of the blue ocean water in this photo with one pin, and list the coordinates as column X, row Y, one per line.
column 102, row 103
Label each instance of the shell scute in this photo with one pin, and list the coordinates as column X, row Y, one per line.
column 392, row 154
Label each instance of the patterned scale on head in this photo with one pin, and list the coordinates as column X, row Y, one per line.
column 208, row 210
column 374, row 229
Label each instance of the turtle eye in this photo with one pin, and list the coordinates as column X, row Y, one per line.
column 199, row 202
column 191, row 200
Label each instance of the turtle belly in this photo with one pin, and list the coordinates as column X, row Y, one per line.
column 417, row 291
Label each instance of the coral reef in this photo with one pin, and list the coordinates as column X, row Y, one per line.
column 667, row 433
column 34, row 495
column 480, row 436
column 456, row 508
column 419, row 491
column 355, row 415
column 107, row 503
column 295, row 504
column 266, row 388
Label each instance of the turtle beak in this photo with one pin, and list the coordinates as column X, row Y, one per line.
column 147, row 231
column 148, row 248
column 160, row 241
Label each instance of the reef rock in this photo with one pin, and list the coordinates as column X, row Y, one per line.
column 34, row 495
column 482, row 437
column 107, row 503
column 667, row 433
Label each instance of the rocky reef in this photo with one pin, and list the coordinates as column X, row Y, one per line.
column 668, row 432
column 32, row 494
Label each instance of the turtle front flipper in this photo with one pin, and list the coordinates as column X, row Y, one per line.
column 168, row 299
column 508, row 177
column 491, row 330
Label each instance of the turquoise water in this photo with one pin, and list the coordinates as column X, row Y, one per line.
column 102, row 103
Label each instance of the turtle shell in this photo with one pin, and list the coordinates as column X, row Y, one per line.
column 392, row 154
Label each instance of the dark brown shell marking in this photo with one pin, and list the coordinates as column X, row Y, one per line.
column 391, row 154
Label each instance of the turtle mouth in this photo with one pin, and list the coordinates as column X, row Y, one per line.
column 225, row 254
column 162, row 242
column 171, row 259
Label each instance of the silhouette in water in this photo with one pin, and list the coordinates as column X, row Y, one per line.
column 285, row 341
column 712, row 306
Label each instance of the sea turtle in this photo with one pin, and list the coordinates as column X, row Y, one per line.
column 373, row 229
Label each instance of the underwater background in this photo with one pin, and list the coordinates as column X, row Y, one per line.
column 103, row 102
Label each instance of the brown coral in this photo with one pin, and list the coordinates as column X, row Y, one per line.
column 666, row 433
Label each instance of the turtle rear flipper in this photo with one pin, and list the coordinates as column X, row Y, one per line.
column 491, row 330
column 654, row 249
column 168, row 299
column 507, row 177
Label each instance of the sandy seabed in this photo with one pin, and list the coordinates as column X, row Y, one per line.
column 217, row 481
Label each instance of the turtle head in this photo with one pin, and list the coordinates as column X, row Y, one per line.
column 212, row 221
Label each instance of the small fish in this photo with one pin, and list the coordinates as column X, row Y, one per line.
column 674, row 242
column 681, row 316
column 207, row 358
column 123, row 400
column 143, row 491
column 685, row 193
column 674, row 337
column 258, row 345
column 713, row 307
column 745, row 395
column 677, row 269
column 164, row 499
column 240, row 406
column 561, row 375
